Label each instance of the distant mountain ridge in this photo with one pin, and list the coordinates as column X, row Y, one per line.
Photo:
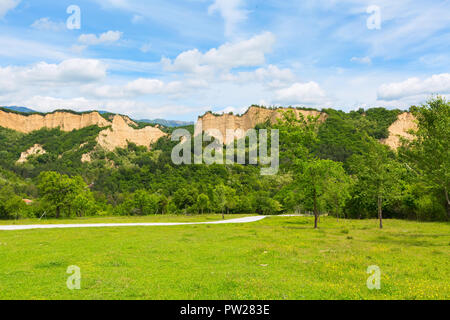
column 19, row 109
column 168, row 123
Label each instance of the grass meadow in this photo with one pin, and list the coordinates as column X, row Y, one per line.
column 275, row 258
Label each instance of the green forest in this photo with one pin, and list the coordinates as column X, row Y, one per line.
column 338, row 168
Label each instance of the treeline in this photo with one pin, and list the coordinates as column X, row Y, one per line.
column 338, row 167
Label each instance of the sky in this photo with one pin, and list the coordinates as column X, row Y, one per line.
column 178, row 59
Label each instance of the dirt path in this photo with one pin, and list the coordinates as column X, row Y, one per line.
column 109, row 225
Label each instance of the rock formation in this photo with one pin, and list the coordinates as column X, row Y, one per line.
column 254, row 116
column 118, row 134
column 66, row 121
column 209, row 123
column 36, row 149
column 399, row 129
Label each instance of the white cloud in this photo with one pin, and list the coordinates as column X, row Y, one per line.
column 72, row 71
column 133, row 108
column 143, row 87
column 308, row 93
column 272, row 75
column 231, row 12
column 104, row 38
column 438, row 83
column 77, row 48
column 233, row 110
column 247, row 53
column 6, row 5
column 363, row 60
column 47, row 25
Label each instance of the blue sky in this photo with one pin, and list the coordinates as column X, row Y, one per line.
column 177, row 59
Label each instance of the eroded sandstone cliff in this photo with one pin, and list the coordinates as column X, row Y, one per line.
column 400, row 129
column 66, row 121
column 118, row 133
column 209, row 123
column 34, row 150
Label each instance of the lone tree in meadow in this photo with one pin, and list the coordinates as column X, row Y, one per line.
column 377, row 175
column 317, row 179
column 220, row 198
column 203, row 202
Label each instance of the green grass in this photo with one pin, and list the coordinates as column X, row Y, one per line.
column 125, row 219
column 276, row 258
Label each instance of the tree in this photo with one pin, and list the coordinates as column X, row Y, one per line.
column 377, row 175
column 338, row 192
column 316, row 179
column 60, row 190
column 244, row 204
column 429, row 152
column 224, row 197
column 184, row 198
column 203, row 202
column 11, row 205
column 299, row 135
column 145, row 203
column 163, row 204
column 84, row 204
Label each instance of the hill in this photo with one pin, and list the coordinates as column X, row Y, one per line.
column 127, row 169
column 18, row 109
column 168, row 123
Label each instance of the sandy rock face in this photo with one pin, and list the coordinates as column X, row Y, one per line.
column 399, row 129
column 118, row 135
column 121, row 133
column 66, row 121
column 36, row 149
column 86, row 157
column 210, row 123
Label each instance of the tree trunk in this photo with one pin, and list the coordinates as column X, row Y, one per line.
column 336, row 206
column 57, row 212
column 448, row 201
column 316, row 212
column 223, row 217
column 380, row 210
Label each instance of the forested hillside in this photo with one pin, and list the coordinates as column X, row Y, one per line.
column 337, row 167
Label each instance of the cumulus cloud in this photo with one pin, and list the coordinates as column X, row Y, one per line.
column 6, row 5
column 104, row 38
column 246, row 53
column 233, row 110
column 231, row 12
column 272, row 75
column 309, row 93
column 46, row 24
column 67, row 72
column 143, row 87
column 438, row 83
